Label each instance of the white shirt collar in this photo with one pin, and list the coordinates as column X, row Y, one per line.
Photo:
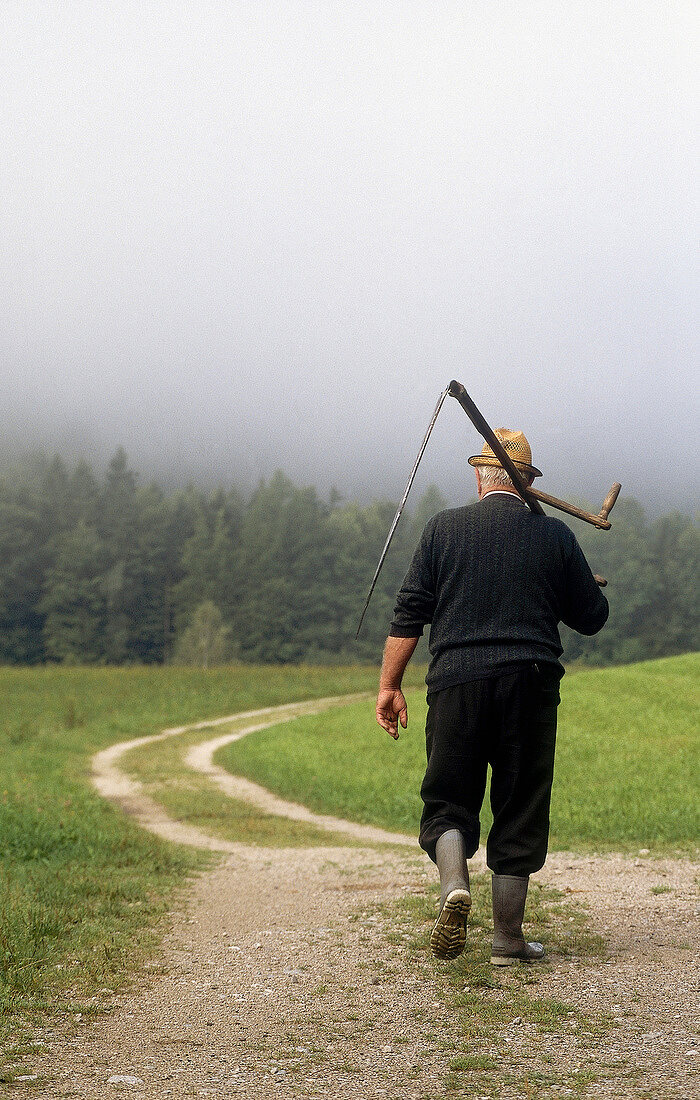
column 504, row 493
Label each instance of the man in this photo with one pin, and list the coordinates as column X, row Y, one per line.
column 494, row 580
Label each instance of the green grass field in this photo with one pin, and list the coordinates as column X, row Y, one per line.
column 626, row 772
column 82, row 888
column 80, row 884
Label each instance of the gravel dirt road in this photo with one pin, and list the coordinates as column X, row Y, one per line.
column 278, row 980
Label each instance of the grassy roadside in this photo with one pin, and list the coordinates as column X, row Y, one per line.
column 81, row 886
column 626, row 760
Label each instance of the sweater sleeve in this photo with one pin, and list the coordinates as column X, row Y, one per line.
column 586, row 608
column 415, row 601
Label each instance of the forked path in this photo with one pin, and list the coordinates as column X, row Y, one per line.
column 278, row 979
column 116, row 785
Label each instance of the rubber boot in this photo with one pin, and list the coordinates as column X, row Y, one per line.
column 449, row 935
column 508, row 895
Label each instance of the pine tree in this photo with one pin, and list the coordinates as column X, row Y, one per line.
column 23, row 559
column 285, row 562
column 118, row 527
column 209, row 561
column 75, row 602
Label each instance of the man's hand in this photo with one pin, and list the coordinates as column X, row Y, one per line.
column 391, row 705
column 390, row 700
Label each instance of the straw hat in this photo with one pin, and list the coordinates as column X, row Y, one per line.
column 516, row 447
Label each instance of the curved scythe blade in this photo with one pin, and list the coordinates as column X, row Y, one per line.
column 400, row 509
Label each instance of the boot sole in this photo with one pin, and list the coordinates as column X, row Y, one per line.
column 449, row 936
column 508, row 960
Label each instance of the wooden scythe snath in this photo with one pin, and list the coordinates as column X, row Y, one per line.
column 532, row 497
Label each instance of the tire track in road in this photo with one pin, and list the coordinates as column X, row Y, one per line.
column 118, row 787
column 200, row 759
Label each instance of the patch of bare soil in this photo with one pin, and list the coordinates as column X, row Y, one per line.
column 647, row 913
column 278, row 980
column 274, row 989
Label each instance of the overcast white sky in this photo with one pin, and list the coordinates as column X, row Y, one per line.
column 237, row 236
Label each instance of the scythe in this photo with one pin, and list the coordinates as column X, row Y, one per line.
column 532, row 497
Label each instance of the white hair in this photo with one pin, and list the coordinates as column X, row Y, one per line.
column 495, row 475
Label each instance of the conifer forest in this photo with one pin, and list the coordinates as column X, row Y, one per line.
column 102, row 569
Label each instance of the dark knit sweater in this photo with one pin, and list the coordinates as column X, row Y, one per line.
column 494, row 581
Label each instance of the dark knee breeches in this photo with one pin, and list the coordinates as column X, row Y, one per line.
column 507, row 721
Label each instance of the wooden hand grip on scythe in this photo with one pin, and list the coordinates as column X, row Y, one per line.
column 531, row 497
